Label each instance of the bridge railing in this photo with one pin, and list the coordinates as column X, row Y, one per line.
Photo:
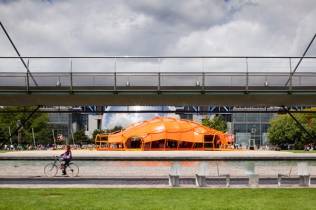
column 175, row 81
column 161, row 74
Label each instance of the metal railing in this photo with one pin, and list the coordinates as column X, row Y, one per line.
column 192, row 74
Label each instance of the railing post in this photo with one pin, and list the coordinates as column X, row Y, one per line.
column 71, row 87
column 203, row 82
column 247, row 75
column 27, row 77
column 203, row 78
column 114, row 75
column 158, row 82
column 158, row 75
column 290, row 88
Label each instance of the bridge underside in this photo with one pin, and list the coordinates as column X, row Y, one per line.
column 154, row 99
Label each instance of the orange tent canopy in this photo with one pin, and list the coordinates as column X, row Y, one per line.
column 162, row 133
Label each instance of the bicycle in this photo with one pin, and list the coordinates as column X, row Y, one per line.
column 51, row 169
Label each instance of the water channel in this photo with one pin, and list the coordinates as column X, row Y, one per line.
column 102, row 168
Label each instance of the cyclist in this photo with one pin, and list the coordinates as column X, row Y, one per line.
column 66, row 157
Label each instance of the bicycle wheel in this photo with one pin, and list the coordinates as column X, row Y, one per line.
column 72, row 170
column 50, row 169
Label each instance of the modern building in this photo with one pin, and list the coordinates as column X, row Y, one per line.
column 247, row 126
column 68, row 123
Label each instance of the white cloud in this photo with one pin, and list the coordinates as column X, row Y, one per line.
column 123, row 119
column 117, row 27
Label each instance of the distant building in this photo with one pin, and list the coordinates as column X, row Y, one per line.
column 247, row 126
column 68, row 123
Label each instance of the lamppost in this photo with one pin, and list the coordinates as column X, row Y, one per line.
column 253, row 130
column 252, row 140
column 19, row 125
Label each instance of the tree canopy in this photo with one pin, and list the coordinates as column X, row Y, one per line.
column 80, row 137
column 38, row 122
column 284, row 130
column 216, row 123
column 116, row 128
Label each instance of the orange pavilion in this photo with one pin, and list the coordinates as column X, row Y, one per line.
column 165, row 133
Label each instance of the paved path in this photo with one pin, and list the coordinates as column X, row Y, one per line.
column 67, row 182
column 162, row 155
column 148, row 169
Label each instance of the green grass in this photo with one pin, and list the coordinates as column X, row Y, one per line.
column 170, row 198
column 299, row 151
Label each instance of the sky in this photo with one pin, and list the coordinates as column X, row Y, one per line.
column 154, row 28
column 158, row 27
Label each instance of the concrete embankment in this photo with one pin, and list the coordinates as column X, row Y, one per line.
column 149, row 164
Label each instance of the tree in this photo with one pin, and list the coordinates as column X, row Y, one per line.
column 216, row 123
column 45, row 136
column 96, row 132
column 10, row 120
column 285, row 130
column 116, row 128
column 80, row 137
column 3, row 136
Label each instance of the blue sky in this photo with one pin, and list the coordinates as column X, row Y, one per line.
column 158, row 27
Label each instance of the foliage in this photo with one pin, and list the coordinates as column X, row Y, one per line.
column 157, row 198
column 46, row 135
column 116, row 128
column 96, row 132
column 80, row 137
column 38, row 122
column 216, row 123
column 3, row 136
column 285, row 130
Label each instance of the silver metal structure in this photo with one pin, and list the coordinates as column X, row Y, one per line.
column 158, row 81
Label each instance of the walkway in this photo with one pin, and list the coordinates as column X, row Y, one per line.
column 149, row 169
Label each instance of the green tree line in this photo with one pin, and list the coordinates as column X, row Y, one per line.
column 39, row 123
column 216, row 123
column 284, row 130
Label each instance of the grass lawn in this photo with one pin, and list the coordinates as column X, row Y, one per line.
column 170, row 198
column 299, row 151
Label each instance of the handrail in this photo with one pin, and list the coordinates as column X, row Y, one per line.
column 185, row 57
column 158, row 82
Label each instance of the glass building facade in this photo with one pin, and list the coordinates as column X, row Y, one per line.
column 252, row 125
column 67, row 122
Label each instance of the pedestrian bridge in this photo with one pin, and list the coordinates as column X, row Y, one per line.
column 158, row 81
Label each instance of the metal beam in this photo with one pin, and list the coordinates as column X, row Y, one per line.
column 301, row 59
column 299, row 124
column 160, row 111
column 21, row 58
column 20, row 126
column 132, row 57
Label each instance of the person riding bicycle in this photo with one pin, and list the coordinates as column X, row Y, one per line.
column 66, row 157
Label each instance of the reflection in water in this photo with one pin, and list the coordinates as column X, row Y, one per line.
column 101, row 168
column 92, row 163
